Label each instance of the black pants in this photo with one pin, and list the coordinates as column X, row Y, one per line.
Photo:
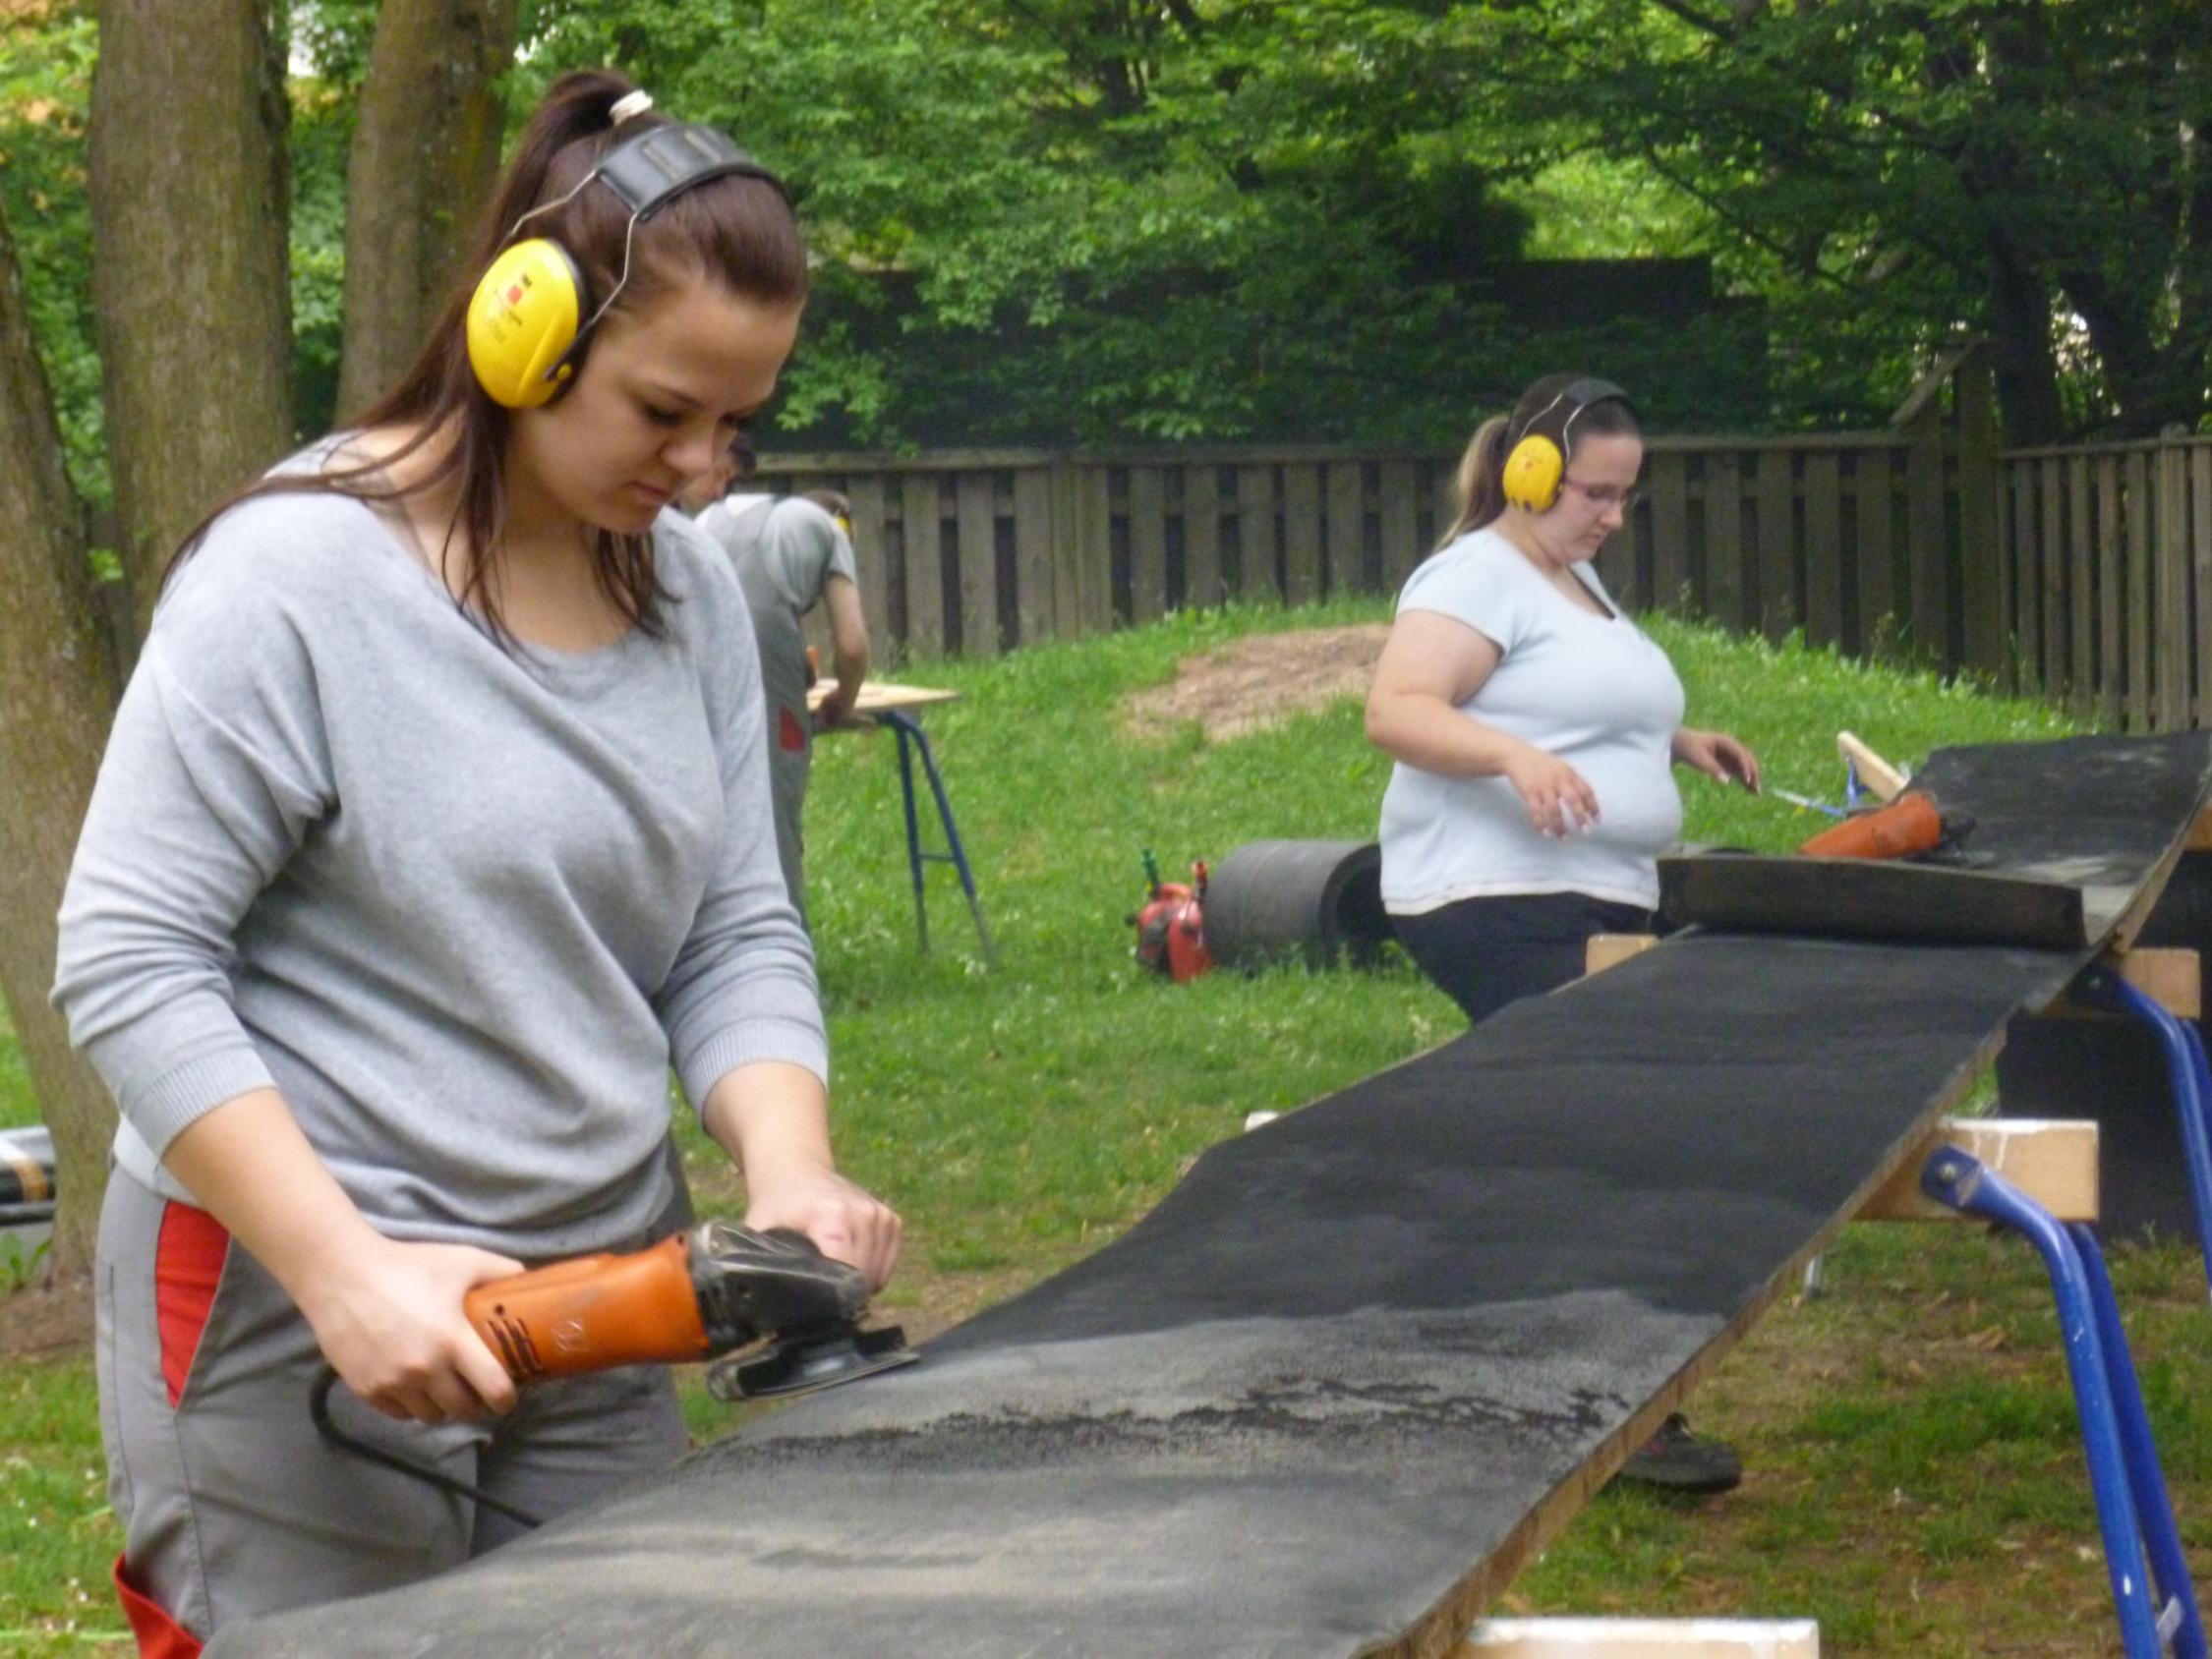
column 1486, row 952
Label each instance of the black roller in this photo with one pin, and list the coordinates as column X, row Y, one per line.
column 1314, row 901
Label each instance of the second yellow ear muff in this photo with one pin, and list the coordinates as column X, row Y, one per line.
column 522, row 320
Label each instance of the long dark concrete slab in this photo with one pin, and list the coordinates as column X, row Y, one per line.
column 1331, row 1395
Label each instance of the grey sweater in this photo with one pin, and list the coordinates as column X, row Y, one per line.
column 463, row 908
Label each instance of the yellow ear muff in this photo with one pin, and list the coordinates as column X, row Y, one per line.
column 522, row 322
column 1532, row 472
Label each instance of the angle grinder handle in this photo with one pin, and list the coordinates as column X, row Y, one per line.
column 593, row 1313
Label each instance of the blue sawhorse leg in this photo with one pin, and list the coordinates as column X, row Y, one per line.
column 910, row 743
column 2185, row 1070
column 2132, row 1509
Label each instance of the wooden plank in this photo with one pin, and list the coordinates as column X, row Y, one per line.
column 1779, row 610
column 1301, row 535
column 1400, row 510
column 922, row 513
column 1927, row 541
column 2171, row 976
column 1641, row 1638
column 1824, row 549
column 2175, row 629
column 1666, row 481
column 1724, row 585
column 1095, row 520
column 2027, row 578
column 2051, row 557
column 872, row 554
column 2138, row 510
column 1344, row 527
column 1260, row 546
column 2052, row 1161
column 977, row 547
column 2081, row 594
column 1980, row 478
column 2200, row 565
column 1036, row 606
column 1609, row 951
column 2112, row 591
column 879, row 696
column 1147, row 544
column 1201, row 536
column 1877, row 551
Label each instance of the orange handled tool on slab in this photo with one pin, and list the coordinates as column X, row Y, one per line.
column 698, row 1296
column 1909, row 826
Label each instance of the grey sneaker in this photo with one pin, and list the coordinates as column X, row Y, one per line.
column 1677, row 1461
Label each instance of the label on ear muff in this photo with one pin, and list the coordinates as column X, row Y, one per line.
column 1531, row 474
column 523, row 321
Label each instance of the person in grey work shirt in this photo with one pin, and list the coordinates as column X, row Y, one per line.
column 433, row 834
column 793, row 554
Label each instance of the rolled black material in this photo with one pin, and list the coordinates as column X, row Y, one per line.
column 1314, row 901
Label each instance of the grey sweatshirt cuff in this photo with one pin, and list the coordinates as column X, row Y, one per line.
column 793, row 1041
column 168, row 1105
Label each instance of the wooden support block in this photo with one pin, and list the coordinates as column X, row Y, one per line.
column 2200, row 833
column 2171, row 976
column 1609, row 950
column 2053, row 1160
column 1642, row 1638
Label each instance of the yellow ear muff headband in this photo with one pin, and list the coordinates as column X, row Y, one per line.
column 527, row 328
column 1534, row 465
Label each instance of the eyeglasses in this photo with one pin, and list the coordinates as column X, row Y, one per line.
column 1604, row 496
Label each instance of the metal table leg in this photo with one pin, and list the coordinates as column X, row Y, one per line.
column 911, row 742
column 2123, row 1474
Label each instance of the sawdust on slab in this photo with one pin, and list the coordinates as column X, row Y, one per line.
column 1258, row 681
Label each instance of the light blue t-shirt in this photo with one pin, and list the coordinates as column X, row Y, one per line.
column 1591, row 690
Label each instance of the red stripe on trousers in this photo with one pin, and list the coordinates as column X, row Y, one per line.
column 188, row 1264
column 159, row 1635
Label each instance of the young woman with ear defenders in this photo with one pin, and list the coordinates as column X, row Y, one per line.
column 434, row 830
column 1534, row 727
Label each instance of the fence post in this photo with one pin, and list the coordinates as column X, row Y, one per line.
column 1980, row 479
column 2170, row 649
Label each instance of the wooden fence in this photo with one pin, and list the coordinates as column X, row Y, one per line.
column 2068, row 573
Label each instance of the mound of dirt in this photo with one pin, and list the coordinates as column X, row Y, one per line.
column 1258, row 681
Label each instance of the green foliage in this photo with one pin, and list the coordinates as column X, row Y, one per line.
column 46, row 56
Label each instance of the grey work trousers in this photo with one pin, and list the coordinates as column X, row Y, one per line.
column 232, row 1504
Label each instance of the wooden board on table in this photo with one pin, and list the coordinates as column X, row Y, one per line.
column 880, row 696
column 1351, row 1374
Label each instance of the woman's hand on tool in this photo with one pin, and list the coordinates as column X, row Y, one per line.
column 1560, row 799
column 843, row 1219
column 388, row 1318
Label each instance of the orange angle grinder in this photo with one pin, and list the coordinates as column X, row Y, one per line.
column 695, row 1296
column 1910, row 827
column 708, row 1294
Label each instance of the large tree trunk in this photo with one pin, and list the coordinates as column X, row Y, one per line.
column 188, row 182
column 426, row 154
column 57, row 688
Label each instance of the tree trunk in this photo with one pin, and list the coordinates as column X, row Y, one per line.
column 57, row 688
column 190, row 189
column 426, row 155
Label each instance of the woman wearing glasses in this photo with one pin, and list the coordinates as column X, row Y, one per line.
column 1536, row 729
column 1534, row 724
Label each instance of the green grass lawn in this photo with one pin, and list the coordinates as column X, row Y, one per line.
column 1916, row 1481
